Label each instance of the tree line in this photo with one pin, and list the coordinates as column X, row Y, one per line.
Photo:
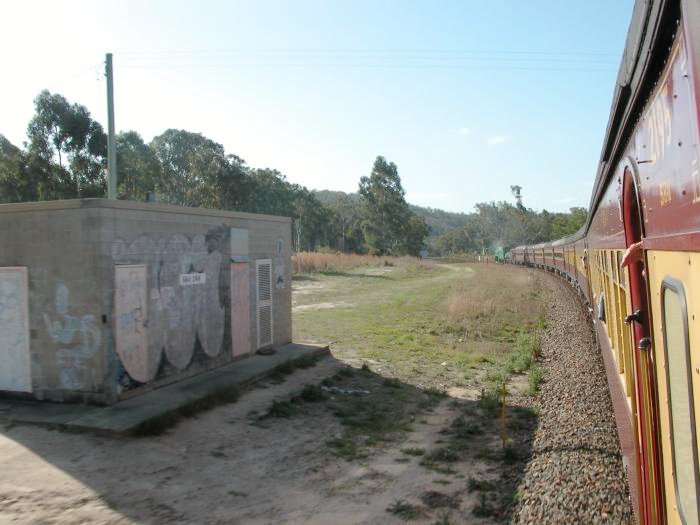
column 506, row 225
column 65, row 158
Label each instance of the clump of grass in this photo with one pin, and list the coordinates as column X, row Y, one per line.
column 306, row 361
column 281, row 409
column 484, row 509
column 312, row 393
column 510, row 454
column 344, row 373
column 441, row 455
column 347, row 448
column 364, row 415
column 365, row 368
column 490, row 401
column 435, row 500
column 403, row 510
column 464, row 429
column 437, row 393
column 280, row 372
column 534, row 379
column 413, row 451
column 443, row 519
column 480, row 485
column 392, row 382
column 161, row 423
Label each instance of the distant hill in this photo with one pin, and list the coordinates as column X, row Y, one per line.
column 439, row 221
column 330, row 196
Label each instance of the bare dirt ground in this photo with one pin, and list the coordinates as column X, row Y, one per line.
column 230, row 466
column 417, row 436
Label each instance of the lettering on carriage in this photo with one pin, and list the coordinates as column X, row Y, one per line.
column 659, row 126
column 665, row 192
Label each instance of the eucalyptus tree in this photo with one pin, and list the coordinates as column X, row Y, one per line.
column 66, row 150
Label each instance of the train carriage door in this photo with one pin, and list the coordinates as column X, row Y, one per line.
column 651, row 505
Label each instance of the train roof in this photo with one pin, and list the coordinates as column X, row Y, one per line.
column 651, row 33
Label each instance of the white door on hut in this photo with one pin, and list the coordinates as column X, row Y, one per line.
column 15, row 374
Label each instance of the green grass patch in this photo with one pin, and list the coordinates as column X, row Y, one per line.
column 403, row 510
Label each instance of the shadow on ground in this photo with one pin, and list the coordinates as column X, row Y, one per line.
column 328, row 442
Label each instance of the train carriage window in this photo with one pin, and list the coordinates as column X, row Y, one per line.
column 680, row 394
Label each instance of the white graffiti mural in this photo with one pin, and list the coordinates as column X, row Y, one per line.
column 79, row 339
column 176, row 313
column 130, row 321
column 14, row 331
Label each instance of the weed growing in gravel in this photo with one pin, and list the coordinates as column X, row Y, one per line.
column 403, row 510
column 534, row 379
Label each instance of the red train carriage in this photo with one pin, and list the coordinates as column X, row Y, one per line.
column 647, row 191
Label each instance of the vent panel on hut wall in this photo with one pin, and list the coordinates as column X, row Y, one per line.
column 14, row 331
column 263, row 271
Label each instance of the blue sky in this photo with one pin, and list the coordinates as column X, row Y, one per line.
column 466, row 97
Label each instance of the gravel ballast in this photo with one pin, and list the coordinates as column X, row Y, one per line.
column 575, row 474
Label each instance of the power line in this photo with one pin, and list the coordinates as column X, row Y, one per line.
column 356, row 66
column 89, row 69
column 379, row 50
column 378, row 57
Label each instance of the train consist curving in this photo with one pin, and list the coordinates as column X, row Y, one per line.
column 645, row 209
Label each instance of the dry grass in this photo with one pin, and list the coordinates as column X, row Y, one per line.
column 313, row 262
column 494, row 301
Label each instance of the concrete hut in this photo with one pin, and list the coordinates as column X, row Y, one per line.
column 101, row 300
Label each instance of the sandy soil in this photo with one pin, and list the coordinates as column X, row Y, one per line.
column 230, row 466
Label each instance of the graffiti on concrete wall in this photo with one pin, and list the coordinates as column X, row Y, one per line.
column 14, row 331
column 78, row 338
column 180, row 308
column 130, row 321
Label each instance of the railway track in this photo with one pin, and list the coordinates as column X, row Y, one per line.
column 575, row 474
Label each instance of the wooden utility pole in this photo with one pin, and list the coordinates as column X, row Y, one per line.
column 111, row 139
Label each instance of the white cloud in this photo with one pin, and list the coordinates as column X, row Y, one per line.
column 497, row 139
column 564, row 200
column 463, row 131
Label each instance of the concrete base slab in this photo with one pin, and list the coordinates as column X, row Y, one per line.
column 171, row 401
